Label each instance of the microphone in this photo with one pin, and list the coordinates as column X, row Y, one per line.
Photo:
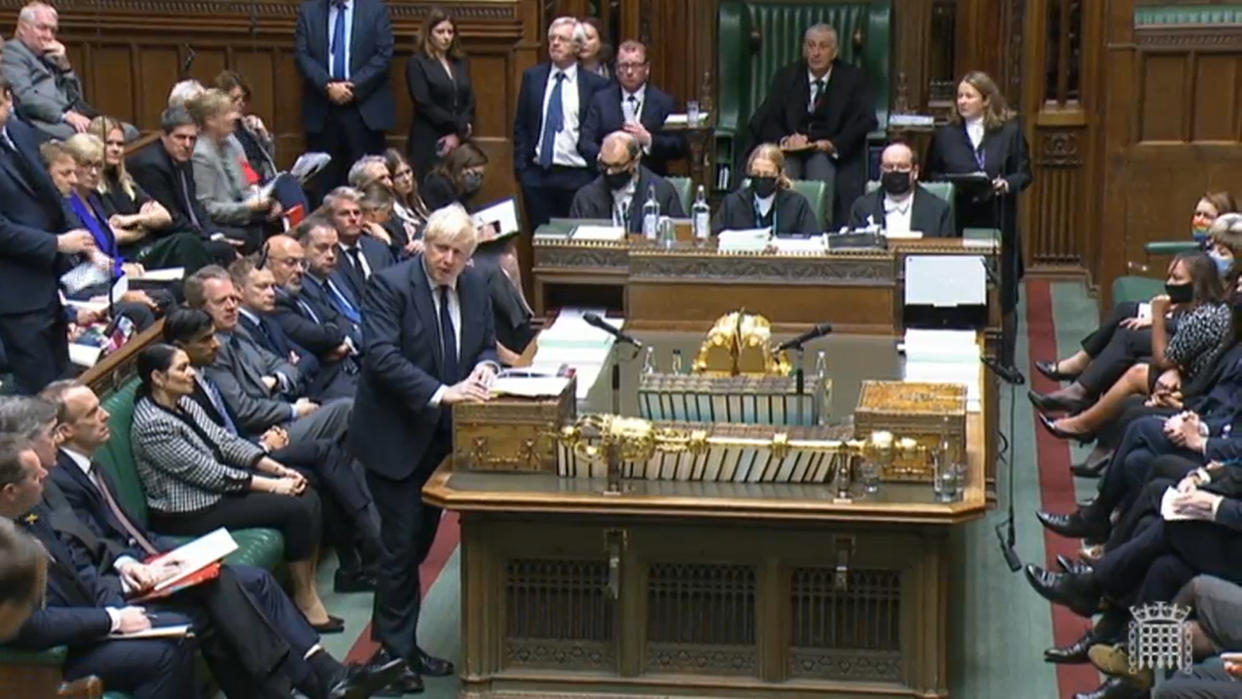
column 817, row 331
column 1007, row 547
column 595, row 320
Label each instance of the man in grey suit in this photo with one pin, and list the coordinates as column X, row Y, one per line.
column 47, row 91
column 260, row 388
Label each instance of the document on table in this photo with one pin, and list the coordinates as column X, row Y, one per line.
column 530, row 386
column 84, row 355
column 604, row 233
column 744, row 240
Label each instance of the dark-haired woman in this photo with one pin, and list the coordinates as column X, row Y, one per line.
column 457, row 178
column 439, row 83
column 198, row 477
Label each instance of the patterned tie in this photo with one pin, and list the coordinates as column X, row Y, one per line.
column 819, row 93
column 101, row 483
column 448, row 338
column 553, row 122
column 632, row 109
column 338, row 42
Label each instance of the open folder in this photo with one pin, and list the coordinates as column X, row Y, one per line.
column 199, row 562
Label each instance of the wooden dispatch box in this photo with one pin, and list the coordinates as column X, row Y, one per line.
column 922, row 411
column 511, row 433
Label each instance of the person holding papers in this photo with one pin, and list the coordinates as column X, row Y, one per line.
column 623, row 186
column 766, row 200
column 901, row 205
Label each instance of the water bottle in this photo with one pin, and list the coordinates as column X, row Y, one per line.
column 701, row 213
column 676, row 368
column 649, row 360
column 651, row 215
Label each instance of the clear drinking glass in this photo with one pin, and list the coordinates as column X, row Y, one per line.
column 692, row 113
column 869, row 475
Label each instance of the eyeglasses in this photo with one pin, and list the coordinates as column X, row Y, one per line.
column 627, row 67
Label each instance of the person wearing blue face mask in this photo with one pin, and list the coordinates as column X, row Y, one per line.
column 768, row 200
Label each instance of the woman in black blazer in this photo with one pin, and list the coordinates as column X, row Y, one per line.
column 768, row 200
column 439, row 83
column 456, row 178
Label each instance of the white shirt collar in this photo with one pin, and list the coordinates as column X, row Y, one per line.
column 810, row 78
column 83, row 461
column 639, row 94
column 901, row 205
column 254, row 318
column 571, row 73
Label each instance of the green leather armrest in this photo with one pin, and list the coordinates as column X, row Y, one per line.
column 51, row 656
column 1170, row 247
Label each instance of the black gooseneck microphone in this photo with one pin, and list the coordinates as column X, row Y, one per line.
column 817, row 331
column 595, row 320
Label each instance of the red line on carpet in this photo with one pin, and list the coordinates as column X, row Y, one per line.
column 1056, row 483
column 447, row 538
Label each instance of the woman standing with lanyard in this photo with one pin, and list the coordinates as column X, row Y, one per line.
column 439, row 83
column 985, row 136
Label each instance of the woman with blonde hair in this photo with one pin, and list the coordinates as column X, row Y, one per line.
column 766, row 199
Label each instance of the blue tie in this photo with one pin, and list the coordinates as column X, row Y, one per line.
column 217, row 401
column 553, row 121
column 448, row 339
column 338, row 41
column 343, row 305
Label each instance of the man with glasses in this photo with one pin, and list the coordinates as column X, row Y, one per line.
column 637, row 107
column 900, row 204
column 623, row 186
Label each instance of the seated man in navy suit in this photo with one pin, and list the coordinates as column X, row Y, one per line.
column 313, row 325
column 358, row 254
column 635, row 106
column 317, row 236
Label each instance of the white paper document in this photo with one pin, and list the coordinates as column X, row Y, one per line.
column 1167, row 512
column 503, row 214
column 945, row 280
column 744, row 240
column 530, row 386
column 198, row 554
column 176, row 631
column 814, row 245
column 683, row 119
column 168, row 274
column 607, row 233
column 84, row 355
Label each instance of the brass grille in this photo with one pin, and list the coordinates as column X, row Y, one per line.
column 701, row 618
column 558, row 613
column 848, row 634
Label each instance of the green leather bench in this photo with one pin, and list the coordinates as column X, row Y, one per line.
column 1136, row 288
column 755, row 39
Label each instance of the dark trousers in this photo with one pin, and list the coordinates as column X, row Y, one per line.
column 407, row 529
column 297, row 518
column 1097, row 340
column 346, row 519
column 147, row 669
column 1110, row 435
column 1132, row 463
column 1125, row 349
column 37, row 346
column 547, row 194
column 1205, row 681
column 346, row 137
column 1164, row 556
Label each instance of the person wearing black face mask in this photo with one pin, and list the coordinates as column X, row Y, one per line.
column 900, row 204
column 621, row 188
column 767, row 200
column 457, row 178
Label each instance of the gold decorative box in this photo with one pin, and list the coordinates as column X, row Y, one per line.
column 926, row 412
column 511, row 433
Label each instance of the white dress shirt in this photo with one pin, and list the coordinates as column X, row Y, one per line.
column 810, row 79
column 764, row 204
column 454, row 309
column 565, row 145
column 349, row 260
column 621, row 199
column 974, row 131
column 349, row 31
column 897, row 213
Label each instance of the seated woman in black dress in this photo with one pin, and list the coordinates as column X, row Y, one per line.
column 456, row 178
column 198, row 477
column 768, row 200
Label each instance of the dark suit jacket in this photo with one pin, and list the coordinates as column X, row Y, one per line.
column 529, row 118
column 317, row 295
column 394, row 422
column 1004, row 154
column 438, row 191
column 32, row 214
column 269, row 335
column 594, row 200
column 84, row 498
column 845, row 115
column 510, row 315
column 929, row 214
column 793, row 212
column 443, row 105
column 238, row 372
column 606, row 116
column 379, row 256
column 308, row 324
column 370, row 55
column 154, row 170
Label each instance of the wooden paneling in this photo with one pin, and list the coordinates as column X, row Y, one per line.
column 1164, row 106
column 1216, row 109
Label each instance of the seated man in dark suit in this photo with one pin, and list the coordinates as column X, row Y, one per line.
column 901, row 204
column 635, row 106
column 303, row 317
column 35, row 251
column 319, row 241
column 260, row 388
column 820, row 110
column 358, row 254
column 79, row 611
column 164, row 170
column 623, row 187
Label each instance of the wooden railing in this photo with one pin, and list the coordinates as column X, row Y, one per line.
column 117, row 368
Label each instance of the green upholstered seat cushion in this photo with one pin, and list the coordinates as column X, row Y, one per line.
column 1137, row 289
column 685, row 191
column 817, row 193
column 260, row 547
column 1170, row 247
column 51, row 656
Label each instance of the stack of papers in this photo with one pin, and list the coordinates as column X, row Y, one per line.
column 747, row 240
column 911, row 120
column 796, row 245
column 944, row 356
column 529, row 385
column 608, row 233
column 571, row 342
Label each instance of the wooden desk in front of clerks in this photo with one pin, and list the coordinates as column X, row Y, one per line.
column 709, row 589
column 858, row 291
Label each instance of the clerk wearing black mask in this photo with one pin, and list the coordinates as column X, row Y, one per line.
column 623, row 186
column 901, row 204
column 767, row 200
column 456, row 179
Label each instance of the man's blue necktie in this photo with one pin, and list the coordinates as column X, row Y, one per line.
column 338, row 41
column 448, row 339
column 553, row 121
column 343, row 304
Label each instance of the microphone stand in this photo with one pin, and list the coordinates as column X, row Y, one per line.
column 613, row 485
column 1003, row 365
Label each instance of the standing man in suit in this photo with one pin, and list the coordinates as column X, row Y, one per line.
column 820, row 110
column 429, row 344
column 637, row 107
column 901, row 204
column 343, row 50
column 623, row 185
column 34, row 252
column 359, row 255
column 549, row 157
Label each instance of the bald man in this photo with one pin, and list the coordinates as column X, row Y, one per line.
column 900, row 204
column 622, row 187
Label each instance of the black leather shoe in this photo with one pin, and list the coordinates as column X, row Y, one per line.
column 1048, row 403
column 1071, row 566
column 1088, row 469
column 362, row 681
column 430, row 665
column 1113, row 688
column 1049, row 369
column 1075, row 652
column 405, row 682
column 353, row 580
column 1073, row 591
column 1073, row 525
column 1080, row 437
column 334, row 624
